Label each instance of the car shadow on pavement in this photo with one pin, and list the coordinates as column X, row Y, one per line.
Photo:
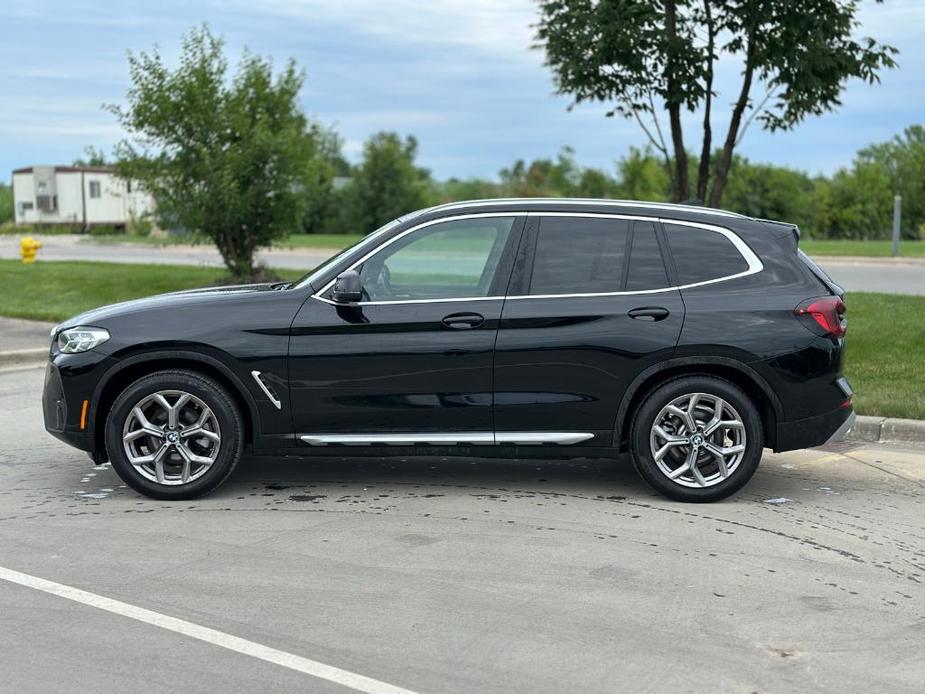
column 453, row 476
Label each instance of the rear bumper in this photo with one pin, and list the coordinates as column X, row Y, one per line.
column 815, row 431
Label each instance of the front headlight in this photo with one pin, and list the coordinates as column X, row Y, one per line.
column 81, row 339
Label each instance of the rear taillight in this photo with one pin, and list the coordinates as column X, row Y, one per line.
column 824, row 316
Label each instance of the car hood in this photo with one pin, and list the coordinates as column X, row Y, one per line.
column 160, row 301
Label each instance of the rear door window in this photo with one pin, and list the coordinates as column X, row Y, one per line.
column 701, row 255
column 579, row 255
column 645, row 262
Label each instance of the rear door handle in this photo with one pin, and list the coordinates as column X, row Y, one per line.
column 463, row 321
column 652, row 313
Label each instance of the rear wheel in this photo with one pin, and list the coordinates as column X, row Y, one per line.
column 697, row 438
column 174, row 435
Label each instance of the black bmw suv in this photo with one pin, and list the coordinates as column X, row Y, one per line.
column 693, row 338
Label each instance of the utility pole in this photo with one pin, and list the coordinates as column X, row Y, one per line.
column 897, row 213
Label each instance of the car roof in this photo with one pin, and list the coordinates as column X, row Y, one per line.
column 631, row 207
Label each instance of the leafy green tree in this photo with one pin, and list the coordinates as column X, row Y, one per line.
column 6, row 203
column 229, row 157
column 559, row 177
column 860, row 203
column 92, row 157
column 770, row 192
column 321, row 200
column 641, row 176
column 456, row 189
column 903, row 158
column 387, row 183
column 648, row 56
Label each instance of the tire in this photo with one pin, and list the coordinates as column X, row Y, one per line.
column 172, row 464
column 733, row 447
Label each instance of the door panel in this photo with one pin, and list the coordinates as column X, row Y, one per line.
column 416, row 355
column 563, row 360
column 392, row 367
column 564, row 364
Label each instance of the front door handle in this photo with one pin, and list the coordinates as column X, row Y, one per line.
column 652, row 313
column 463, row 321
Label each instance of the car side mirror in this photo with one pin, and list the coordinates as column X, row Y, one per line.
column 348, row 287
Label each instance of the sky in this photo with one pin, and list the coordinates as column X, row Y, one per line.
column 460, row 75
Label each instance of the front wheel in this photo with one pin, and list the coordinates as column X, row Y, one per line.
column 174, row 435
column 697, row 438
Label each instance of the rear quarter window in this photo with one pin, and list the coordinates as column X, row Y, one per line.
column 701, row 255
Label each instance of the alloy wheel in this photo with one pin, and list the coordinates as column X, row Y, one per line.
column 171, row 437
column 698, row 440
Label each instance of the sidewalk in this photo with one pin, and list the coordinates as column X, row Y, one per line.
column 17, row 334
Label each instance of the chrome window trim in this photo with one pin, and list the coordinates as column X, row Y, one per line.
column 754, row 262
column 410, row 230
column 480, row 438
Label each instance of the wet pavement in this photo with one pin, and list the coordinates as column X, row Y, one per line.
column 461, row 575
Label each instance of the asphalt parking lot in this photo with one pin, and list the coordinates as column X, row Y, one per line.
column 459, row 575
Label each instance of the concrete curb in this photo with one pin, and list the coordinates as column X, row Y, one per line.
column 888, row 430
column 15, row 357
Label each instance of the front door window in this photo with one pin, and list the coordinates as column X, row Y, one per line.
column 448, row 260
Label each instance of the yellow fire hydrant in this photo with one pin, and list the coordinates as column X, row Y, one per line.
column 29, row 248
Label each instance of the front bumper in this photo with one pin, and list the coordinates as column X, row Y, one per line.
column 70, row 379
column 815, row 431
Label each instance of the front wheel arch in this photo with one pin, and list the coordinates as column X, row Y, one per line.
column 133, row 368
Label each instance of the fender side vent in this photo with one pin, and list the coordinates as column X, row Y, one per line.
column 267, row 389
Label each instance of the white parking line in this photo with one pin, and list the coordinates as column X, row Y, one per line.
column 217, row 638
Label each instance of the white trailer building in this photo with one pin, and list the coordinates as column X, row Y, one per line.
column 83, row 196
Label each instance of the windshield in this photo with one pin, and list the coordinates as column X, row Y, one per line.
column 356, row 248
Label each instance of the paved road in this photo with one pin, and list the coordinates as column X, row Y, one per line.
column 900, row 278
column 459, row 576
column 75, row 247
column 877, row 276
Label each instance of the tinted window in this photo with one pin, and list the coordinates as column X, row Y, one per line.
column 577, row 255
column 442, row 261
column 701, row 255
column 646, row 267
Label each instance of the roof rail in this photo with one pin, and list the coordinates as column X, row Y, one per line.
column 586, row 201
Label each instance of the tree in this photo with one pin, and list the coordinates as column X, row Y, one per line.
column 641, row 177
column 649, row 56
column 770, row 192
column 387, row 183
column 903, row 161
column 229, row 158
column 6, row 203
column 92, row 157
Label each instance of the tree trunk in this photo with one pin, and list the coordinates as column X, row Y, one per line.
column 681, row 188
column 725, row 161
column 238, row 258
column 703, row 172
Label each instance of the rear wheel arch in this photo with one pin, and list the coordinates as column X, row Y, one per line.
column 131, row 369
column 736, row 372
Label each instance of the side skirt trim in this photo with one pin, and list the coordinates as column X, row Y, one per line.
column 482, row 438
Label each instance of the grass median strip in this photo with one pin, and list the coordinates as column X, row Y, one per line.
column 886, row 334
column 875, row 249
column 58, row 290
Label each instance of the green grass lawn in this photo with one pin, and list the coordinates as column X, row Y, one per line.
column 886, row 332
column 58, row 290
column 908, row 249
column 886, row 354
